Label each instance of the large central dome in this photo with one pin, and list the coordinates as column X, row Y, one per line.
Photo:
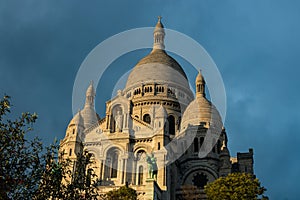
column 160, row 56
column 158, row 67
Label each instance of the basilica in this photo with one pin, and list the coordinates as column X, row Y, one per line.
column 156, row 136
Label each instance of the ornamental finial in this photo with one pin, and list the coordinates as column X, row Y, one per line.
column 159, row 18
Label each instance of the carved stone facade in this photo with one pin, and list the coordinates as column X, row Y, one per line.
column 155, row 113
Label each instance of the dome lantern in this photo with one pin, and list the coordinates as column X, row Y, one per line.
column 159, row 35
column 200, row 85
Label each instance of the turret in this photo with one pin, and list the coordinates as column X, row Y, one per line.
column 160, row 117
column 88, row 113
column 72, row 143
column 90, row 96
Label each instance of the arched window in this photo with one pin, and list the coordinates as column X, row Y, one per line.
column 171, row 121
column 140, row 176
column 147, row 118
column 201, row 141
column 196, row 145
column 114, row 165
column 70, row 152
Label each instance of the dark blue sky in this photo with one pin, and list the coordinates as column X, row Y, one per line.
column 255, row 44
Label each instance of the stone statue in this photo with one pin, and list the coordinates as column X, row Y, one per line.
column 152, row 166
column 119, row 121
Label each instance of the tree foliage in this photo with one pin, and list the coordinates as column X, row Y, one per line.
column 235, row 186
column 31, row 171
column 59, row 181
column 20, row 162
column 123, row 193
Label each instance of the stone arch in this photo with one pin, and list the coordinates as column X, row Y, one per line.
column 140, row 166
column 143, row 147
column 119, row 101
column 124, row 105
column 111, row 146
column 210, row 173
column 93, row 150
column 112, row 163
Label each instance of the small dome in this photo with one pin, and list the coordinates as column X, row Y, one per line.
column 85, row 118
column 90, row 117
column 77, row 120
column 201, row 110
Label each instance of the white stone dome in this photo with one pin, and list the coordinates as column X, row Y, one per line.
column 157, row 67
column 90, row 117
column 201, row 110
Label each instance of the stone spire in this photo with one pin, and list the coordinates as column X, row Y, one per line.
column 159, row 35
column 90, row 96
column 200, row 85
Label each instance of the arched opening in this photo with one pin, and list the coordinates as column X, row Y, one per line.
column 140, row 175
column 171, row 120
column 196, row 145
column 147, row 118
column 201, row 141
column 178, row 123
column 139, row 169
column 114, row 165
